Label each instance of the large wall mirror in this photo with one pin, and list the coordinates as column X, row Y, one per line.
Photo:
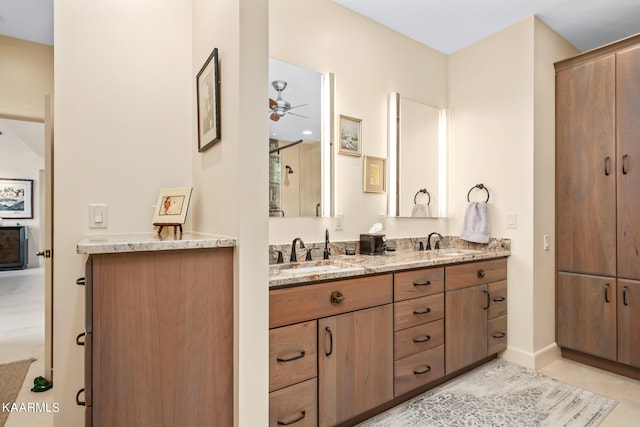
column 300, row 160
column 417, row 159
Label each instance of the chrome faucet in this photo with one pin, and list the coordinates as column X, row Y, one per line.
column 437, row 244
column 327, row 251
column 294, row 257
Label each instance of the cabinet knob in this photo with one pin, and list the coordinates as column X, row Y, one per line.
column 481, row 274
column 337, row 298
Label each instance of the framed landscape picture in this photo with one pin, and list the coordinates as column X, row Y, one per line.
column 16, row 198
column 350, row 136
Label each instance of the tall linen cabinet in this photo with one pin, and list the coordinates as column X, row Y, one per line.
column 598, row 208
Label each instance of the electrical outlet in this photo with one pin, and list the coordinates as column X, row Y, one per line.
column 339, row 222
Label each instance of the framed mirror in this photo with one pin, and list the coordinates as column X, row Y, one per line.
column 417, row 159
column 300, row 160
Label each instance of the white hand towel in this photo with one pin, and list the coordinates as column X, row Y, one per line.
column 476, row 223
column 421, row 210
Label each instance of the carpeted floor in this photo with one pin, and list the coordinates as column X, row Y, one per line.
column 11, row 379
column 499, row 394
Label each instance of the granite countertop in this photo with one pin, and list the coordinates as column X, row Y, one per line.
column 139, row 242
column 345, row 266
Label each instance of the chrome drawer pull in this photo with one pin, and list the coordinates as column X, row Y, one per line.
column 288, row 423
column 291, row 359
column 422, row 372
column 427, row 311
column 420, row 341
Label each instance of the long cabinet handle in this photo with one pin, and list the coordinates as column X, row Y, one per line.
column 625, row 295
column 607, row 166
column 606, row 293
column 78, row 401
column 624, row 164
column 288, row 423
column 78, row 342
column 328, row 329
column 291, row 359
column 488, row 299
column 81, row 281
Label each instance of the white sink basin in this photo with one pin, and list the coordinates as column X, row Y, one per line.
column 307, row 270
column 456, row 252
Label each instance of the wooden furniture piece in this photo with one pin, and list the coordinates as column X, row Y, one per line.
column 419, row 328
column 13, row 247
column 597, row 208
column 159, row 338
column 343, row 350
column 354, row 359
column 476, row 307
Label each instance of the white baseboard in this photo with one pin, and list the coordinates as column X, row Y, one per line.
column 535, row 361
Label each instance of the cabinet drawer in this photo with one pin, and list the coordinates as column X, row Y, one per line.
column 498, row 299
column 302, row 303
column 417, row 311
column 497, row 334
column 292, row 354
column 476, row 273
column 418, row 369
column 296, row 402
column 418, row 283
column 418, row 338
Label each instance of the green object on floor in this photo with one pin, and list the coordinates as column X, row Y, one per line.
column 41, row 384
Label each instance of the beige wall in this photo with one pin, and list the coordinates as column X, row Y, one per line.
column 231, row 181
column 123, row 127
column 26, row 76
column 369, row 61
column 501, row 103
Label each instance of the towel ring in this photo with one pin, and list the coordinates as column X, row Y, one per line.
column 424, row 190
column 479, row 187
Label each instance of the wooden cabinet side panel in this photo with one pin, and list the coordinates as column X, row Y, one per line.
column 357, row 375
column 586, row 321
column 628, row 321
column 628, row 153
column 163, row 338
column 465, row 327
column 585, row 147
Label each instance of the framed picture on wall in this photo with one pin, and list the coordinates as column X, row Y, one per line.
column 350, row 136
column 208, row 100
column 16, row 198
column 374, row 174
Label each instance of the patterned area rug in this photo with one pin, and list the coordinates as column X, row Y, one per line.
column 499, row 394
column 11, row 380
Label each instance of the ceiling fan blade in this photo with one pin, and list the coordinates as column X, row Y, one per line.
column 272, row 103
column 299, row 115
column 301, row 105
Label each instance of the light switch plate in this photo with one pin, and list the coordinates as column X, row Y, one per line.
column 512, row 220
column 546, row 242
column 98, row 215
column 339, row 222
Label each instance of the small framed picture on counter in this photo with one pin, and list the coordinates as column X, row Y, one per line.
column 172, row 207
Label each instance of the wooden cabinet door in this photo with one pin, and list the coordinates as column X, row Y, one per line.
column 586, row 317
column 586, row 167
column 465, row 327
column 628, row 171
column 628, row 321
column 355, row 363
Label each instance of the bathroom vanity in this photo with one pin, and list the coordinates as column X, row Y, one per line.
column 158, row 336
column 355, row 335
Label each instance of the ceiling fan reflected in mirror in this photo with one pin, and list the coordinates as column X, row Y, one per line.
column 279, row 107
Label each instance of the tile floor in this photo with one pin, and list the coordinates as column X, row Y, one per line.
column 22, row 336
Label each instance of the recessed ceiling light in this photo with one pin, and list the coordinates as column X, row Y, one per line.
column 307, row 132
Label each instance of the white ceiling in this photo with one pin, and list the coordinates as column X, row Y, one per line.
column 450, row 25
column 27, row 19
